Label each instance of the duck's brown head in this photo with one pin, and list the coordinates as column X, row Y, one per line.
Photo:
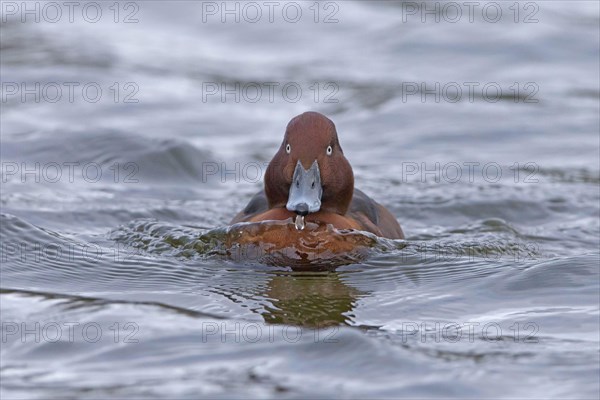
column 309, row 172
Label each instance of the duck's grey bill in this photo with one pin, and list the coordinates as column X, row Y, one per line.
column 306, row 190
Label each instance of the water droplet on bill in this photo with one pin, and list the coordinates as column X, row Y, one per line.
column 299, row 222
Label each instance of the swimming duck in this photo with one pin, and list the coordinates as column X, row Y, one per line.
column 309, row 177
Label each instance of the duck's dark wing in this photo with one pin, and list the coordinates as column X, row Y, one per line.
column 366, row 205
column 258, row 204
column 374, row 217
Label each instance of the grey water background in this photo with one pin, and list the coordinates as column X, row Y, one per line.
column 111, row 287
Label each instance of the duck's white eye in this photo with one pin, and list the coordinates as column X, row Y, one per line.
column 288, row 148
column 329, row 150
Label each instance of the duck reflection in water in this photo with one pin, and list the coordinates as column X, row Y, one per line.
column 313, row 300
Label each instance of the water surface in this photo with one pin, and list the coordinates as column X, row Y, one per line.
column 121, row 285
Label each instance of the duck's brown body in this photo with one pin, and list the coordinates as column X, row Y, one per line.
column 311, row 139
